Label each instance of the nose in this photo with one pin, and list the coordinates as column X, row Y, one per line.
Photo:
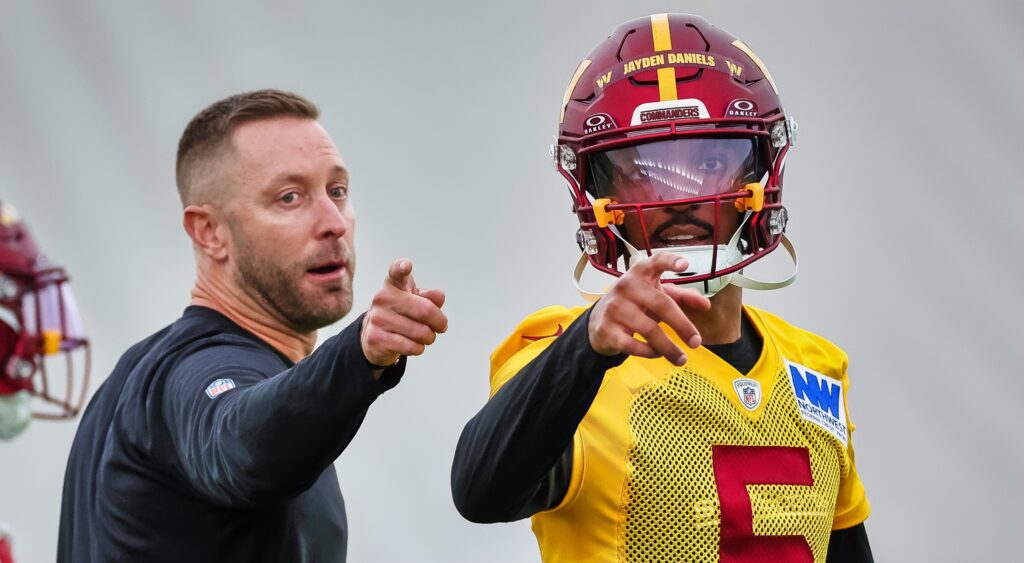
column 331, row 221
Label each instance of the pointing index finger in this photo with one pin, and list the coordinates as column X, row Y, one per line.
column 400, row 275
column 662, row 262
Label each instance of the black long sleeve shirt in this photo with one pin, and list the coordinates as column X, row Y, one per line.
column 205, row 444
column 514, row 457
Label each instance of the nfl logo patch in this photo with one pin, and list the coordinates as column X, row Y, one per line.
column 749, row 392
column 218, row 387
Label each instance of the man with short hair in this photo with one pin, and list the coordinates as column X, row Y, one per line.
column 214, row 439
column 670, row 421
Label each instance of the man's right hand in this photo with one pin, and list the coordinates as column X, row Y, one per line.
column 637, row 303
column 402, row 320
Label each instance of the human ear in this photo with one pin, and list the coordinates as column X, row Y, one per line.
column 206, row 230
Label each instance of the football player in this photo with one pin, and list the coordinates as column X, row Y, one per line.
column 39, row 328
column 44, row 358
column 670, row 421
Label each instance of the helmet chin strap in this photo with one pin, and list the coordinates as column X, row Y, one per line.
column 747, row 282
column 577, row 273
column 709, row 287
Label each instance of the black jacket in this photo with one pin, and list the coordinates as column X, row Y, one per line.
column 205, row 444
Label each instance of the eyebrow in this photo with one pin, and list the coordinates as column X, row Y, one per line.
column 292, row 178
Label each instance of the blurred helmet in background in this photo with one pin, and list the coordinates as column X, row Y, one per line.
column 44, row 355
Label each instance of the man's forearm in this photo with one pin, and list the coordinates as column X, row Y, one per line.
column 273, row 439
column 506, row 451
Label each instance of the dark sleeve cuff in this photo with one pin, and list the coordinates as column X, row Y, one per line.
column 578, row 337
column 392, row 374
column 353, row 341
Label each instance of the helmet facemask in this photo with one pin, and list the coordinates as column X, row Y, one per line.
column 52, row 345
column 44, row 372
column 678, row 196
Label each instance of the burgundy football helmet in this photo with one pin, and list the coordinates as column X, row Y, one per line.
column 672, row 138
column 39, row 330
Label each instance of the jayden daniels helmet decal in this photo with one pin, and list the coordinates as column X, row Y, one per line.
column 44, row 358
column 672, row 139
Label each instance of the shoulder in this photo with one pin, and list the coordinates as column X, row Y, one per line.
column 227, row 351
column 204, row 338
column 196, row 346
column 534, row 333
column 800, row 345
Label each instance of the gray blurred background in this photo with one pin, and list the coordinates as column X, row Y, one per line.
column 901, row 192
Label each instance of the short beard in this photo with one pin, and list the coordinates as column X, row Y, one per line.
column 279, row 291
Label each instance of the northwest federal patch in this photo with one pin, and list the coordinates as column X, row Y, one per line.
column 218, row 387
column 819, row 399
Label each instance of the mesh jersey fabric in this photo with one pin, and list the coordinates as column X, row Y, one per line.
column 669, row 465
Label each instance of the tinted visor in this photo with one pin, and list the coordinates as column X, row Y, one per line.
column 677, row 169
column 52, row 309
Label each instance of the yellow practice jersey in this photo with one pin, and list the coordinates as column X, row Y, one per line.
column 699, row 462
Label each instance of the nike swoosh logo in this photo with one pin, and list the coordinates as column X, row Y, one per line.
column 536, row 338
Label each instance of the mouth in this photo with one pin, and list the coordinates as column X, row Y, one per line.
column 326, row 271
column 682, row 235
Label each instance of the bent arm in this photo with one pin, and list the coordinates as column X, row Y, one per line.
column 514, row 457
column 269, row 438
column 849, row 546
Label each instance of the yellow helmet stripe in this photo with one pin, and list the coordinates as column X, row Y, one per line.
column 757, row 60
column 667, row 84
column 663, row 42
column 572, row 86
column 662, row 37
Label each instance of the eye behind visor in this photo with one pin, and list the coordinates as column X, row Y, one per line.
column 676, row 169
